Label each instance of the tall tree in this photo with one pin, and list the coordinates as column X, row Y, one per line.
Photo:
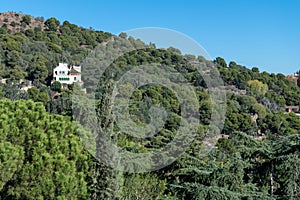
column 40, row 154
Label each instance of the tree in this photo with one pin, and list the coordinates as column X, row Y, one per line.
column 246, row 102
column 220, row 61
column 123, row 35
column 11, row 158
column 289, row 172
column 52, row 24
column 29, row 33
column 56, row 86
column 26, row 19
column 174, row 50
column 38, row 96
column 255, row 70
column 260, row 110
column 16, row 74
column 226, row 146
column 1, row 93
column 257, row 89
column 38, row 71
column 137, row 185
column 43, row 157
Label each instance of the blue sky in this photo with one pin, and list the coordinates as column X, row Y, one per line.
column 261, row 33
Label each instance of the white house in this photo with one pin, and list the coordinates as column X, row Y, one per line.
column 67, row 74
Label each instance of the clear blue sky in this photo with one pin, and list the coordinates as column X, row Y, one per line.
column 261, row 33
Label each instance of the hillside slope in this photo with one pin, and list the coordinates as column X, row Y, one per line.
column 255, row 154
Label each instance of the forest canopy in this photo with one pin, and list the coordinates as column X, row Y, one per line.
column 42, row 156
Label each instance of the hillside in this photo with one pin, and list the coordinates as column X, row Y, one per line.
column 16, row 22
column 254, row 154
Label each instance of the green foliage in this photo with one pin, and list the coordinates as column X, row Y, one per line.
column 281, row 91
column 61, row 103
column 11, row 158
column 41, row 157
column 38, row 70
column 226, row 146
column 241, row 168
column 56, row 86
column 17, row 74
column 142, row 186
column 52, row 24
column 40, row 154
column 11, row 91
column 38, row 96
column 26, row 19
column 220, row 61
column 257, row 88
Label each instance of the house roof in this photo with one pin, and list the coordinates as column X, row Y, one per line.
column 74, row 72
column 62, row 66
column 77, row 68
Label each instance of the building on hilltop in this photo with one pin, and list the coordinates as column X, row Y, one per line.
column 67, row 74
column 295, row 77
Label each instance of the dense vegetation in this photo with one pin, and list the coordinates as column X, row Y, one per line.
column 42, row 157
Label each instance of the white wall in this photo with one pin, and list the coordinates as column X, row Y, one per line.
column 61, row 74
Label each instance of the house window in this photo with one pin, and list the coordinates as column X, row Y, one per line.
column 74, row 78
column 64, row 79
